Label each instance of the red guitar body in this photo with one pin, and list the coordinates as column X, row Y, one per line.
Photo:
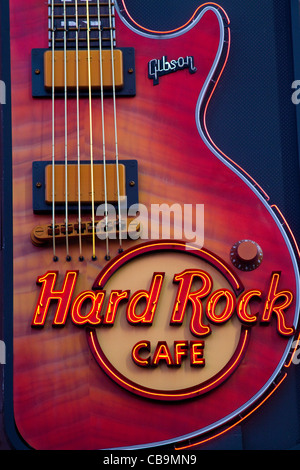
column 62, row 399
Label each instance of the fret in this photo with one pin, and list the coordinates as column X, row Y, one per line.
column 76, row 45
column 71, row 26
column 79, row 16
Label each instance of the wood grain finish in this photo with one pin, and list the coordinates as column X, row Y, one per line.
column 62, row 399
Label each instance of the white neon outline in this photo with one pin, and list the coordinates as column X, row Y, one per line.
column 280, row 365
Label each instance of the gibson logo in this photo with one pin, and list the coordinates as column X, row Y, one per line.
column 160, row 67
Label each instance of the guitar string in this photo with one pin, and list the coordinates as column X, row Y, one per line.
column 66, row 132
column 78, row 133
column 53, row 130
column 103, row 132
column 115, row 121
column 91, row 132
column 91, row 135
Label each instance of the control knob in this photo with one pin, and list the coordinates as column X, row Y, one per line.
column 246, row 255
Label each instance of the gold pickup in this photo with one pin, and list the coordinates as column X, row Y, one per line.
column 83, row 61
column 42, row 185
column 85, row 183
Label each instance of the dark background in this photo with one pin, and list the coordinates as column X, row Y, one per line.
column 253, row 120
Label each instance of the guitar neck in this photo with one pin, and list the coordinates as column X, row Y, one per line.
column 69, row 21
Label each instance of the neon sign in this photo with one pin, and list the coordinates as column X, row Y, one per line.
column 272, row 306
column 192, row 304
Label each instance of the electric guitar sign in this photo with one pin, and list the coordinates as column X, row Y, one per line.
column 153, row 280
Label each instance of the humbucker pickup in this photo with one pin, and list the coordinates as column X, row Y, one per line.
column 83, row 75
column 124, row 72
column 42, row 185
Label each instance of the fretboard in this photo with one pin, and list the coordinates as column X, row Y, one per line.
column 76, row 19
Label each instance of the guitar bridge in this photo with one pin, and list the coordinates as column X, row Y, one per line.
column 42, row 235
